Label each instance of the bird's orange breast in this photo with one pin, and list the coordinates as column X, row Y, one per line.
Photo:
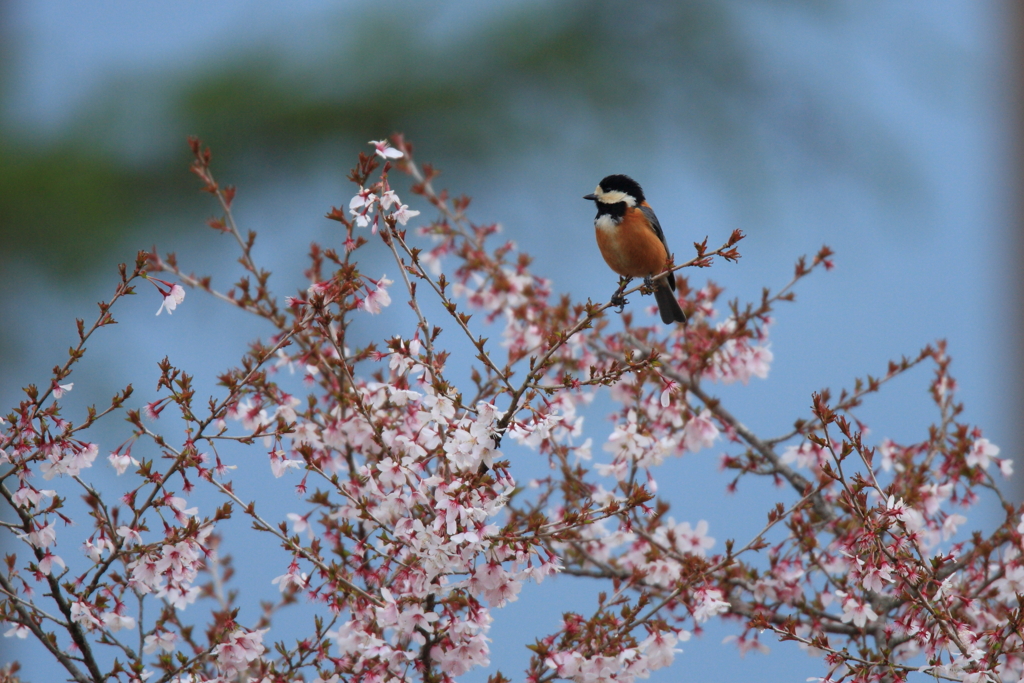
column 631, row 248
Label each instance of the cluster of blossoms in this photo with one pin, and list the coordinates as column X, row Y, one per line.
column 410, row 532
column 171, row 571
column 654, row 652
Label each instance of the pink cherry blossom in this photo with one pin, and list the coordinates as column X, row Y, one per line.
column 121, row 461
column 385, row 150
column 404, row 213
column 26, row 495
column 115, row 621
column 234, row 655
column 42, row 536
column 708, row 602
column 46, row 564
column 856, row 611
column 160, row 640
column 981, row 454
column 700, row 432
column 378, row 298
column 171, row 300
column 18, row 630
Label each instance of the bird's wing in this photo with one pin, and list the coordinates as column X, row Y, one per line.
column 648, row 213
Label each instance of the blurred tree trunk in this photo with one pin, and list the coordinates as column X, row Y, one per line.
column 1016, row 114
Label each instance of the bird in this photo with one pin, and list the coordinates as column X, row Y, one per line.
column 632, row 242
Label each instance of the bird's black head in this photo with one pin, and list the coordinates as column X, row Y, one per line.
column 623, row 183
column 617, row 189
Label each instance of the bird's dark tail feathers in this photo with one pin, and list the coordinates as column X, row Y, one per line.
column 668, row 306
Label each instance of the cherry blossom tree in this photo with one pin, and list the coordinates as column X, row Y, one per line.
column 412, row 529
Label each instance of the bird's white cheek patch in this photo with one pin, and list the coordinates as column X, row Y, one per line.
column 615, row 197
column 606, row 223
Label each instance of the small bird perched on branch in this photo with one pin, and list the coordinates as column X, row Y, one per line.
column 632, row 243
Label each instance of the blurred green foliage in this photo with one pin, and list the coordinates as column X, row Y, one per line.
column 522, row 77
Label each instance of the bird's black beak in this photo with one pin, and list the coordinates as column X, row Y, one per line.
column 590, row 196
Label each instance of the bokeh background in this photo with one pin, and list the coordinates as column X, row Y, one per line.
column 888, row 131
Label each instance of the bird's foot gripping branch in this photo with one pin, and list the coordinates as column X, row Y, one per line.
column 405, row 529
